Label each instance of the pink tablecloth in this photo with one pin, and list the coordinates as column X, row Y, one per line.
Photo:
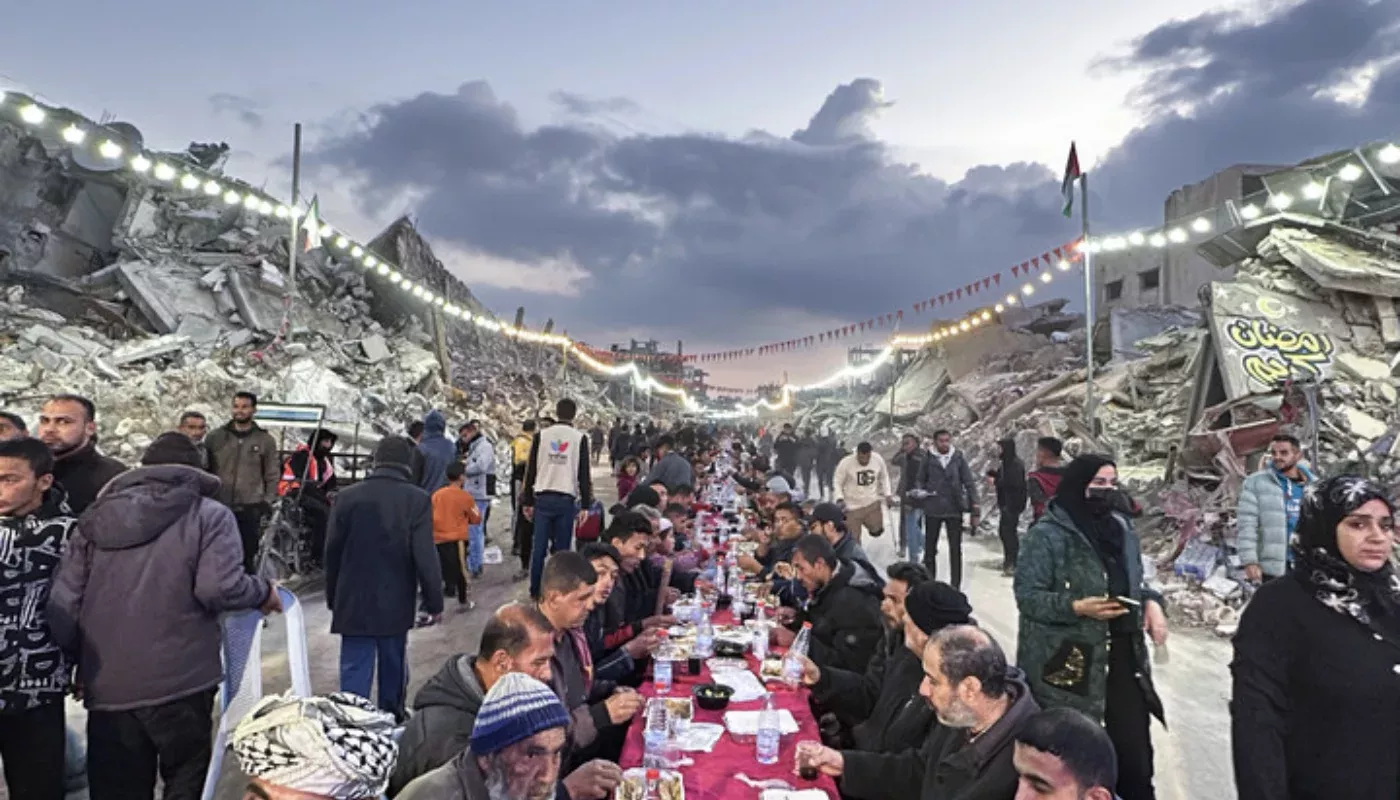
column 712, row 776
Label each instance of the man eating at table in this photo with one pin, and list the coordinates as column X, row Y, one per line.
column 874, row 708
column 844, row 607
column 516, row 752
column 566, row 599
column 517, row 638
column 982, row 703
column 618, row 662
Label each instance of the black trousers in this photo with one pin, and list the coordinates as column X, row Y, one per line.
column 1128, row 723
column 454, row 569
column 317, row 513
column 933, row 526
column 1008, row 530
column 126, row 750
column 524, row 536
column 806, row 471
column 826, row 479
column 249, row 520
column 32, row 746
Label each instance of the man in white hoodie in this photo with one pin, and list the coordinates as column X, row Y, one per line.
column 863, row 488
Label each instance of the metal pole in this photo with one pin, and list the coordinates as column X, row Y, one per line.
column 1088, row 304
column 296, row 223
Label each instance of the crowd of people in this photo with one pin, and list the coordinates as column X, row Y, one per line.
column 115, row 580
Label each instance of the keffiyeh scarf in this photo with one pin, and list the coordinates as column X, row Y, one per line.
column 337, row 745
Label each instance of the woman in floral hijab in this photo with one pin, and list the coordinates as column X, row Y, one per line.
column 1316, row 705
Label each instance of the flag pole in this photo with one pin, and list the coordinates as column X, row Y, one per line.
column 296, row 223
column 1087, row 253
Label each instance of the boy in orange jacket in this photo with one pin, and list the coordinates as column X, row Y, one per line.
column 454, row 511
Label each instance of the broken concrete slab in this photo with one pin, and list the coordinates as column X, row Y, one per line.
column 374, row 348
column 144, row 349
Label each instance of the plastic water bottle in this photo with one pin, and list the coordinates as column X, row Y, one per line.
column 704, row 635
column 654, row 736
column 760, row 644
column 792, row 662
column 661, row 665
column 770, row 735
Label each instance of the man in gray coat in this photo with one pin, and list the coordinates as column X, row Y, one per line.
column 157, row 541
column 671, row 467
column 1270, row 500
column 949, row 491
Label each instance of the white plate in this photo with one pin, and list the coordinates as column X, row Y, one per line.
column 745, row 723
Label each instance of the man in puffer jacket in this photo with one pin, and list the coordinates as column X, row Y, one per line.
column 1270, row 501
column 149, row 568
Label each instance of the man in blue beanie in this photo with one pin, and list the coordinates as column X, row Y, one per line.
column 517, row 747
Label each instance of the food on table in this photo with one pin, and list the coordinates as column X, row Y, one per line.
column 772, row 669
column 669, row 785
column 679, row 707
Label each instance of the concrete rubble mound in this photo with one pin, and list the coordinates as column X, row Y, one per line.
column 1303, row 340
column 153, row 303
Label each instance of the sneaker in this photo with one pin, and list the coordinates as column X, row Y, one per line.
column 423, row 620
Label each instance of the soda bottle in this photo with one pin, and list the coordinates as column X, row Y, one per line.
column 792, row 662
column 704, row 635
column 770, row 735
column 661, row 663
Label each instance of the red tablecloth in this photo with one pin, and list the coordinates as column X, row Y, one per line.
column 712, row 776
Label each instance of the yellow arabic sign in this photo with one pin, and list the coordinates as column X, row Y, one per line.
column 1274, row 354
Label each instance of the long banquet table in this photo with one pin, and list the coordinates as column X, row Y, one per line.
column 712, row 775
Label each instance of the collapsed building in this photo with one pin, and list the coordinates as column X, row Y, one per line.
column 1299, row 335
column 153, row 299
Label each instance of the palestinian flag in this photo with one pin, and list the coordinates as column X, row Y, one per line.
column 1072, row 174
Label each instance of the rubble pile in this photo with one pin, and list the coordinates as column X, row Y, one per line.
column 183, row 299
column 1304, row 340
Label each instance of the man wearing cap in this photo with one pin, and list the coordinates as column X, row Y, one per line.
column 830, row 522
column 517, row 750
column 874, row 709
column 315, row 748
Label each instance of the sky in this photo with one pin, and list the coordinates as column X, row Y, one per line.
column 727, row 173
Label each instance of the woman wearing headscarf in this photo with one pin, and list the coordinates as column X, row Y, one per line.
column 1083, row 608
column 1316, row 705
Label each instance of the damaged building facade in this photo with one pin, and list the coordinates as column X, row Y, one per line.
column 153, row 297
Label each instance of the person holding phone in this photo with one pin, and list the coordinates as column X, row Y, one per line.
column 1084, row 609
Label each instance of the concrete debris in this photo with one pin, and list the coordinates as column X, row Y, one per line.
column 1302, row 341
column 167, row 302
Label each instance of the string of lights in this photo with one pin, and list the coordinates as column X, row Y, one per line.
column 113, row 146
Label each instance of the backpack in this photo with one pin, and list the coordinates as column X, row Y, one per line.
column 592, row 526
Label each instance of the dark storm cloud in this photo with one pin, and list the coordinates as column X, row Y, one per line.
column 245, row 109
column 827, row 221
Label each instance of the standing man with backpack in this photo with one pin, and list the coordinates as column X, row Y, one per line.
column 558, row 488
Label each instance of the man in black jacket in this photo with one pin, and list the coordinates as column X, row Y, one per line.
column 379, row 553
column 844, row 609
column 830, row 521
column 1010, row 480
column 910, row 460
column 68, row 425
column 949, row 491
column 982, row 703
column 785, row 450
column 873, row 709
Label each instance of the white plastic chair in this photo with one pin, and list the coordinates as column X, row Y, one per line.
column 242, row 685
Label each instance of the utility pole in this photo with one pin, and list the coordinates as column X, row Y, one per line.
column 1089, row 406
column 294, row 242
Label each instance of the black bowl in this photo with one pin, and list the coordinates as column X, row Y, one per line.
column 712, row 696
column 727, row 649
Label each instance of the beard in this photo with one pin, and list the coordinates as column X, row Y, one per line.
column 958, row 715
column 498, row 788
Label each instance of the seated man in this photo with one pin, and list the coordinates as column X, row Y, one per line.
column 875, row 706
column 616, row 663
column 844, row 608
column 830, row 521
column 315, row 748
column 1062, row 753
column 516, row 639
column 624, row 617
column 517, row 753
column 566, row 599
column 983, row 705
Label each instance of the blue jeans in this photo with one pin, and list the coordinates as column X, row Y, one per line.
column 476, row 537
column 358, row 655
column 914, row 534
column 554, row 531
